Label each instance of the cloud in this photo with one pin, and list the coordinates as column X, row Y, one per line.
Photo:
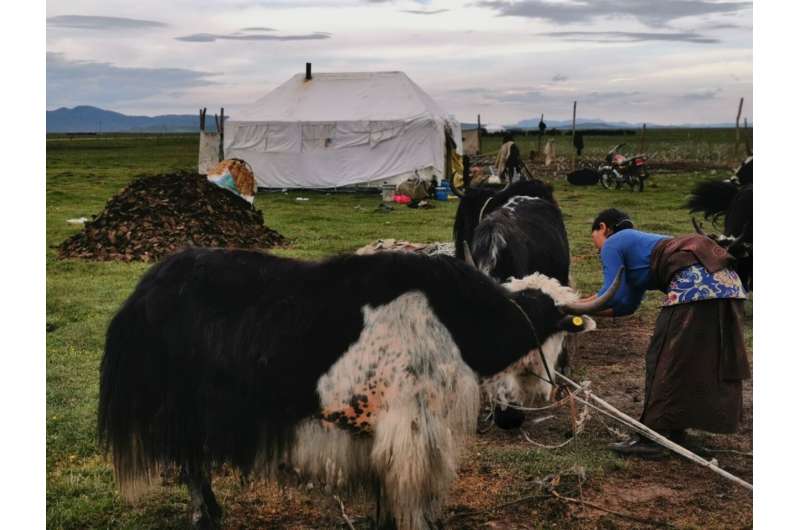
column 258, row 28
column 630, row 36
column 702, row 95
column 650, row 13
column 424, row 12
column 71, row 82
column 212, row 37
column 559, row 78
column 101, row 23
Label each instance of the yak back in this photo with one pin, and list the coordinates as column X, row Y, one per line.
column 474, row 200
column 216, row 354
column 515, row 241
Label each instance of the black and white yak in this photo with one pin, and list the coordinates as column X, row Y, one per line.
column 732, row 199
column 357, row 371
column 512, row 233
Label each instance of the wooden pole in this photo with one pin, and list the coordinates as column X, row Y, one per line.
column 641, row 138
column 541, row 132
column 574, row 151
column 738, row 116
column 747, row 139
column 221, row 132
column 479, row 133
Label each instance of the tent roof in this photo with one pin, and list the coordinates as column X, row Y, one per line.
column 351, row 96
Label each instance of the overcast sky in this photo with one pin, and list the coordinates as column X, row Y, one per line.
column 659, row 61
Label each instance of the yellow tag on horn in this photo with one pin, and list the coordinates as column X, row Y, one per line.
column 577, row 321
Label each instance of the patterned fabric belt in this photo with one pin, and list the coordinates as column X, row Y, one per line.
column 695, row 283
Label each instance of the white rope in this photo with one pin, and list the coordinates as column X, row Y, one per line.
column 480, row 214
column 642, row 429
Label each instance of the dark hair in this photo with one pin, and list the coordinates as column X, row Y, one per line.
column 508, row 137
column 615, row 219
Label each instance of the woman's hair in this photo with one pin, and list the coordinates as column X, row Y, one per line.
column 508, row 137
column 615, row 219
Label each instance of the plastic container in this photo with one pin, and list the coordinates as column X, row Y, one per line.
column 387, row 192
column 441, row 193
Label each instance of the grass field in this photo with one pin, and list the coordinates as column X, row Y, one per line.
column 83, row 173
column 704, row 145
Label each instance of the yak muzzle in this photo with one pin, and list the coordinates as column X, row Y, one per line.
column 510, row 418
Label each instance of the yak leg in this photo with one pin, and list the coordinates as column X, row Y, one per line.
column 206, row 512
column 414, row 454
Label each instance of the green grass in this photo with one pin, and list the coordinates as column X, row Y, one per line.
column 83, row 173
column 706, row 145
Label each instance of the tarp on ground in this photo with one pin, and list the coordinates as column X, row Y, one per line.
column 342, row 130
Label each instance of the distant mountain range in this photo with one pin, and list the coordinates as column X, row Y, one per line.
column 86, row 119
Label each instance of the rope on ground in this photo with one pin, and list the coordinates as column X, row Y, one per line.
column 344, row 514
column 662, row 524
column 611, row 411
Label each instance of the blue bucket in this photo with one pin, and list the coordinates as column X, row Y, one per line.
column 441, row 193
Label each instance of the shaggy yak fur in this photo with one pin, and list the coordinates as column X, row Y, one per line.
column 512, row 233
column 733, row 200
column 358, row 371
column 515, row 232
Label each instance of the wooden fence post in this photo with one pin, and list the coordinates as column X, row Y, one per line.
column 738, row 116
column 642, row 144
column 541, row 132
column 479, row 134
column 221, row 133
column 574, row 151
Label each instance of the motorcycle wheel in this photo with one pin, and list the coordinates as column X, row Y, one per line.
column 606, row 180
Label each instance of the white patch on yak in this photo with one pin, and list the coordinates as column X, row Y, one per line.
column 513, row 202
column 561, row 294
column 525, row 382
column 422, row 400
column 496, row 244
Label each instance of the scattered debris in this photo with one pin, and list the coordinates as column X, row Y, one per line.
column 399, row 245
column 158, row 215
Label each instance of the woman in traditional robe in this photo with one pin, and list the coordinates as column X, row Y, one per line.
column 696, row 359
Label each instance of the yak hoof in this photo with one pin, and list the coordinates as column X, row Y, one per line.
column 203, row 521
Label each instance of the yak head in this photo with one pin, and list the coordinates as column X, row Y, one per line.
column 551, row 311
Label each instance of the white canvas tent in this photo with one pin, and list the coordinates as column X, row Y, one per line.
column 340, row 130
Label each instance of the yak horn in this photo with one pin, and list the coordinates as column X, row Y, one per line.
column 468, row 254
column 587, row 308
column 698, row 228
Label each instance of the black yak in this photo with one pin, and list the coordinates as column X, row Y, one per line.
column 354, row 371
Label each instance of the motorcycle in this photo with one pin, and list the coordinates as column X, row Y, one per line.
column 619, row 169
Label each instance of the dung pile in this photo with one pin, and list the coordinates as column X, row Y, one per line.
column 155, row 216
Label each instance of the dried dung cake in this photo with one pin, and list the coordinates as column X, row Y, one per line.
column 158, row 215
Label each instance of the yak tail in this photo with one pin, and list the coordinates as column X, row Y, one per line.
column 122, row 422
column 712, row 197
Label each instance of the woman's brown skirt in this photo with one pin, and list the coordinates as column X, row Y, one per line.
column 695, row 365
